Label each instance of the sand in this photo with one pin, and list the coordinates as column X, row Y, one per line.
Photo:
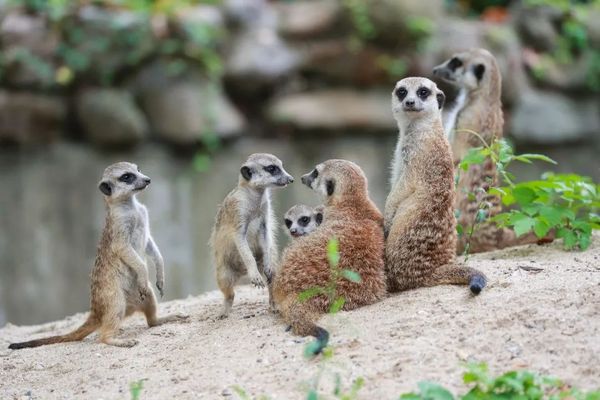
column 541, row 311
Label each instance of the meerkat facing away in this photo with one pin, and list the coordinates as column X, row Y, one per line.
column 478, row 108
column 301, row 219
column 420, row 225
column 243, row 240
column 354, row 220
column 120, row 283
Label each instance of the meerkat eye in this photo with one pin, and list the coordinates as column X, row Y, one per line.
column 314, row 174
column 303, row 221
column 401, row 93
column 455, row 63
column 288, row 223
column 127, row 178
column 423, row 93
column 272, row 169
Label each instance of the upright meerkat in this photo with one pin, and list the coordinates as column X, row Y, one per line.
column 243, row 240
column 478, row 108
column 420, row 225
column 301, row 219
column 354, row 220
column 120, row 283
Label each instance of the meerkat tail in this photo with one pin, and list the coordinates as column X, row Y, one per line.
column 301, row 317
column 84, row 330
column 453, row 274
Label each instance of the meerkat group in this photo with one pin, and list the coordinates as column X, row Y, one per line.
column 412, row 244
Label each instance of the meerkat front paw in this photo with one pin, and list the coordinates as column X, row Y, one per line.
column 159, row 286
column 144, row 294
column 257, row 280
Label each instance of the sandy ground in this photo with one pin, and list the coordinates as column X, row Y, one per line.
column 541, row 311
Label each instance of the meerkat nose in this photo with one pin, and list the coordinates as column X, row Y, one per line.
column 147, row 180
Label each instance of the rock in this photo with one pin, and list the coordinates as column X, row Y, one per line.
column 572, row 77
column 537, row 26
column 183, row 108
column 27, row 118
column 392, row 17
column 334, row 110
column 304, row 19
column 250, row 13
column 552, row 118
column 203, row 21
column 593, row 27
column 110, row 117
column 29, row 46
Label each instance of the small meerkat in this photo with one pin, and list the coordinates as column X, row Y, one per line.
column 120, row 284
column 243, row 240
column 354, row 220
column 301, row 219
column 478, row 108
column 420, row 225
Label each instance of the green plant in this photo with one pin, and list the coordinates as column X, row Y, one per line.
column 566, row 204
column 135, row 389
column 519, row 385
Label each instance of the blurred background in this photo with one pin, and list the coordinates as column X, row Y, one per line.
column 188, row 89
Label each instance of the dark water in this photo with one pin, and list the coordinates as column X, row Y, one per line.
column 51, row 212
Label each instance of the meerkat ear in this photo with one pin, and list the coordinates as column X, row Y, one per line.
column 106, row 188
column 441, row 98
column 478, row 70
column 319, row 218
column 246, row 172
column 330, row 187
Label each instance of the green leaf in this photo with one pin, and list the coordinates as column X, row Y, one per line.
column 333, row 252
column 523, row 226
column 410, row 396
column 524, row 195
column 540, row 157
column 337, row 305
column 551, row 214
column 311, row 348
column 310, row 293
column 540, row 228
column 433, row 391
column 312, row 395
column 585, row 240
column 351, row 276
column 473, row 156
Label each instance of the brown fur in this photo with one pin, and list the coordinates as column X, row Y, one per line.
column 480, row 113
column 120, row 283
column 355, row 221
column 419, row 212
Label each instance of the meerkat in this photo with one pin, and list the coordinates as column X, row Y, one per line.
column 420, row 225
column 120, row 284
column 243, row 240
column 301, row 220
column 354, row 220
column 478, row 108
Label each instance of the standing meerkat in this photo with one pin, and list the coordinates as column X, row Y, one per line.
column 243, row 241
column 354, row 220
column 478, row 108
column 301, row 220
column 120, row 284
column 420, row 225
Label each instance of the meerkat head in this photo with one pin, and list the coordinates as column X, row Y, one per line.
column 472, row 69
column 336, row 180
column 121, row 181
column 262, row 170
column 301, row 220
column 415, row 98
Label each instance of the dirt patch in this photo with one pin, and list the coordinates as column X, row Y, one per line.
column 541, row 311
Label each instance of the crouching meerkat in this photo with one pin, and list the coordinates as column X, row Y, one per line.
column 120, row 284
column 243, row 240
column 301, row 220
column 478, row 108
column 354, row 220
column 420, row 225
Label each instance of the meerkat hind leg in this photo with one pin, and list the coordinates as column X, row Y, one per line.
column 150, row 307
column 109, row 328
column 226, row 282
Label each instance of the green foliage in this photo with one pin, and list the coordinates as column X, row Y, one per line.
column 569, row 205
column 359, row 14
column 520, row 385
column 135, row 389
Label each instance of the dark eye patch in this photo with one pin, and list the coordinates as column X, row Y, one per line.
column 455, row 63
column 319, row 218
column 478, row 70
column 272, row 169
column 314, row 174
column 127, row 178
column 401, row 93
column 423, row 93
column 288, row 223
column 330, row 187
column 303, row 221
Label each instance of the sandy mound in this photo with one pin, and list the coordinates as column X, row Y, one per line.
column 541, row 312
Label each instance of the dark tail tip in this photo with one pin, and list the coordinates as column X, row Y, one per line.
column 477, row 284
column 16, row 346
column 322, row 337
